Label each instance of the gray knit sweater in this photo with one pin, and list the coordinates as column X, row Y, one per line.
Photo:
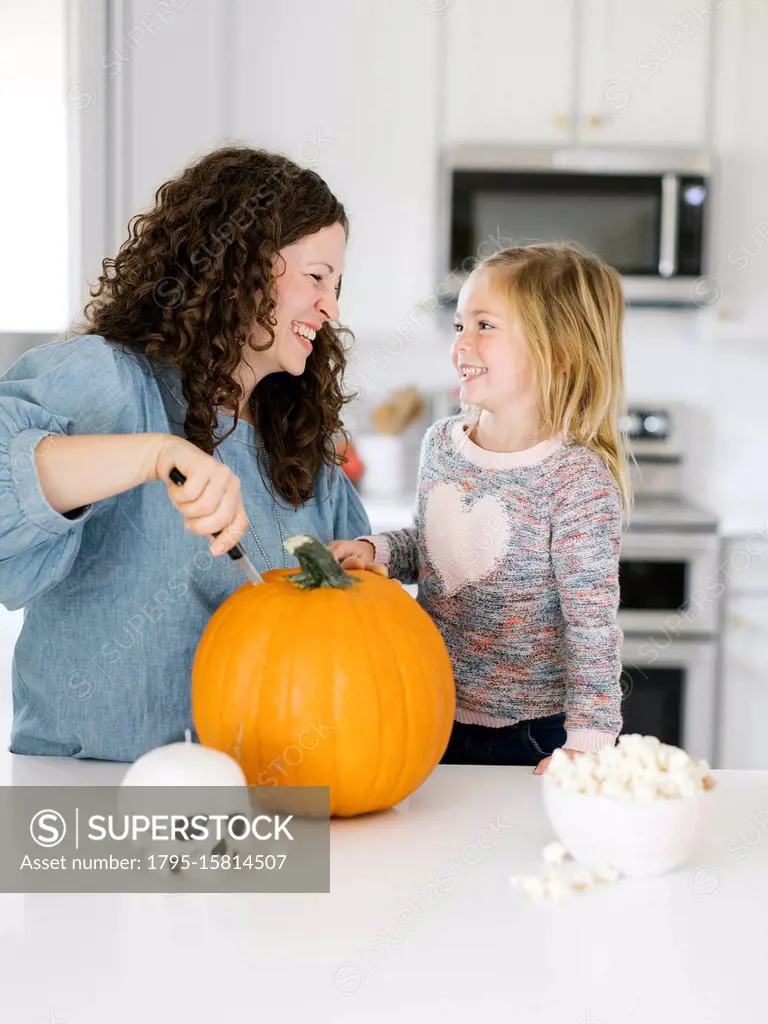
column 516, row 557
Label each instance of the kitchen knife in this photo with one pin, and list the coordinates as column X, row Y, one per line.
column 236, row 553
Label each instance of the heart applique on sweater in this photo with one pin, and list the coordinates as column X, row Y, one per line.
column 464, row 541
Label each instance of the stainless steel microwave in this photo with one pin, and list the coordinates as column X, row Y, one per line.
column 644, row 211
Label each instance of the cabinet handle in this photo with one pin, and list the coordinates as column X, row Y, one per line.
column 561, row 120
column 596, row 120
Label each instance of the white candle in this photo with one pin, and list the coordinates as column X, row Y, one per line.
column 194, row 767
column 184, row 764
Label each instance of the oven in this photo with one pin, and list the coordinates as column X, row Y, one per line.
column 670, row 587
column 669, row 687
column 669, row 582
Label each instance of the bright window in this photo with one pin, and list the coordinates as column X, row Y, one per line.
column 34, row 258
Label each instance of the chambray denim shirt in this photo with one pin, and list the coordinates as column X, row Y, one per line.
column 116, row 595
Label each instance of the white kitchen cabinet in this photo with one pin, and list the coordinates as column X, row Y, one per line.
column 509, row 70
column 644, row 71
column 350, row 90
column 744, row 675
column 586, row 71
column 168, row 71
column 740, row 129
column 745, row 683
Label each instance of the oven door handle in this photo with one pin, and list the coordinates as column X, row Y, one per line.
column 678, row 545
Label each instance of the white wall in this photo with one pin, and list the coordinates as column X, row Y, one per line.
column 352, row 89
column 33, row 168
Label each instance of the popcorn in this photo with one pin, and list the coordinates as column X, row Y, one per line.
column 533, row 886
column 614, row 787
column 642, row 789
column 606, row 873
column 555, row 886
column 554, row 853
column 559, row 879
column 582, row 879
column 640, row 768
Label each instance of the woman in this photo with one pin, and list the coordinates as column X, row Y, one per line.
column 208, row 345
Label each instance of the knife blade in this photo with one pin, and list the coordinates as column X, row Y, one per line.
column 236, row 553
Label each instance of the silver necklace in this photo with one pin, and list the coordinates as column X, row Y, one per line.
column 274, row 506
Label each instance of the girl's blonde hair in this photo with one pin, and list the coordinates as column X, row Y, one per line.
column 571, row 309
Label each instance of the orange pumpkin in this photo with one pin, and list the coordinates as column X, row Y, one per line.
column 325, row 677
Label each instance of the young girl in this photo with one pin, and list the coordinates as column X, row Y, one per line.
column 515, row 542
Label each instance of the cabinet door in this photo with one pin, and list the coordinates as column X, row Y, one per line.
column 350, row 89
column 744, row 705
column 508, row 74
column 736, row 290
column 644, row 71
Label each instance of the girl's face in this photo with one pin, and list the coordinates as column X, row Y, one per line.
column 490, row 352
column 305, row 299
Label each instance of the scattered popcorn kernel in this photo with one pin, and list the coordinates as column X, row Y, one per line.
column 582, row 879
column 606, row 873
column 554, row 886
column 533, row 887
column 554, row 853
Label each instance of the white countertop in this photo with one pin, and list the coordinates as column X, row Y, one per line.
column 687, row 947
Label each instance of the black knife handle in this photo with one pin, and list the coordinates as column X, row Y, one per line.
column 178, row 477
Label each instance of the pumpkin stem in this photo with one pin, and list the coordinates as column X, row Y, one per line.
column 319, row 568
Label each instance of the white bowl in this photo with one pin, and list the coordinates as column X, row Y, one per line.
column 635, row 837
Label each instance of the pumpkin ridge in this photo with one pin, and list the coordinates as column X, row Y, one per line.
column 405, row 640
column 335, row 776
column 257, row 696
column 416, row 655
column 363, row 617
column 419, row 655
column 322, row 657
column 258, row 693
column 286, row 659
column 401, row 774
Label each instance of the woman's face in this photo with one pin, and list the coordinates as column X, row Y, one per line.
column 309, row 271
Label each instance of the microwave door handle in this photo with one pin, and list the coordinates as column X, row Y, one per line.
column 670, row 195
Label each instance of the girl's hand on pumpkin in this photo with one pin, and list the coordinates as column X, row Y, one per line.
column 356, row 554
column 210, row 499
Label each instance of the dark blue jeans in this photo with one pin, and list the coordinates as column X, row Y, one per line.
column 525, row 743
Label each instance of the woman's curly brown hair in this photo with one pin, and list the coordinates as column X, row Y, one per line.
column 196, row 273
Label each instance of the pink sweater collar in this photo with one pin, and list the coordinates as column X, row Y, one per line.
column 500, row 460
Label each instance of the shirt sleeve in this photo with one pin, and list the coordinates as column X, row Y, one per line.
column 586, row 540
column 399, row 549
column 77, row 386
column 349, row 514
